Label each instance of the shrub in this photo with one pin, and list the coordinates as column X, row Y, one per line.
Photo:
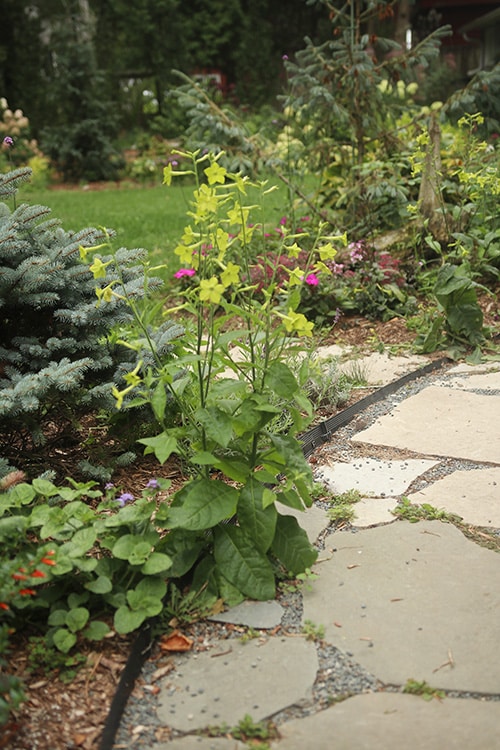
column 58, row 356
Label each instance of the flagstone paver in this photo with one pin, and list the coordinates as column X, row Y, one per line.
column 415, row 601
column 391, row 721
column 442, row 422
column 473, row 495
column 220, row 686
column 370, row 476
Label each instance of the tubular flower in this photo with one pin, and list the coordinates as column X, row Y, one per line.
column 211, row 290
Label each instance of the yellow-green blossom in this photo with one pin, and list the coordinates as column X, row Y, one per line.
column 230, row 275
column 211, row 290
column 295, row 277
column 293, row 250
column 119, row 395
column 221, row 241
column 297, row 323
column 132, row 378
column 215, row 173
column 98, row 268
column 238, row 215
column 185, row 254
column 206, row 201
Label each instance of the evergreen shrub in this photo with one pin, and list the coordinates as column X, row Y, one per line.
column 59, row 357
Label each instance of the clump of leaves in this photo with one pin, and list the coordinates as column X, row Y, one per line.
column 413, row 687
column 341, row 509
column 312, row 631
column 425, row 512
column 42, row 656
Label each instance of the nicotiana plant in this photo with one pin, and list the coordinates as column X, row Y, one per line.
column 229, row 381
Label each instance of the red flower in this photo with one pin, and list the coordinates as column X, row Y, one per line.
column 19, row 576
column 4, row 606
column 46, row 561
column 38, row 574
column 27, row 592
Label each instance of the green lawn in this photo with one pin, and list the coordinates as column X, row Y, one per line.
column 148, row 217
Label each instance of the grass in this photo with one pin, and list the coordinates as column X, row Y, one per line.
column 148, row 217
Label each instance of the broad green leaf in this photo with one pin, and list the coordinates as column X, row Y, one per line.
column 57, row 617
column 291, row 499
column 217, row 424
column 140, row 511
column 21, row 494
column 280, row 379
column 85, row 564
column 64, row 640
column 101, row 585
column 159, row 401
column 135, row 548
column 96, row 630
column 184, row 548
column 291, row 545
column 257, row 522
column 125, row 620
column 202, row 504
column 150, row 605
column 44, row 487
column 77, row 618
column 12, row 527
column 244, row 566
column 157, row 562
column 75, row 600
column 150, row 586
column 80, row 543
column 162, row 446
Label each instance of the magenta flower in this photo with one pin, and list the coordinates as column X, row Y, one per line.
column 283, row 221
column 184, row 272
column 8, row 141
column 312, row 279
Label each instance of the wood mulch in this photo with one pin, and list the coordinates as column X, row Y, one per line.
column 58, row 715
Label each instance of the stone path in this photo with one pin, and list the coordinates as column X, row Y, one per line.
column 400, row 601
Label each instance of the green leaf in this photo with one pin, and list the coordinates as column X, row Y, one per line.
column 291, row 499
column 64, row 640
column 244, row 566
column 101, row 585
column 150, row 605
column 12, row 527
column 77, row 618
column 157, row 562
column 291, row 545
column 57, row 617
column 44, row 487
column 162, row 446
column 125, row 621
column 96, row 630
column 155, row 587
column 80, row 543
column 280, row 379
column 135, row 548
column 217, row 424
column 159, row 401
column 21, row 494
column 257, row 522
column 202, row 504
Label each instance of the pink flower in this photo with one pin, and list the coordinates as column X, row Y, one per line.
column 312, row 279
column 184, row 272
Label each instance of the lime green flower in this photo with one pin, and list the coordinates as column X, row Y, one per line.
column 221, row 241
column 167, row 174
column 132, row 378
column 295, row 277
column 206, row 202
column 230, row 275
column 297, row 323
column 211, row 290
column 215, row 173
column 293, row 250
column 98, row 268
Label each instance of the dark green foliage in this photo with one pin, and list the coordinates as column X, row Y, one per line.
column 56, row 355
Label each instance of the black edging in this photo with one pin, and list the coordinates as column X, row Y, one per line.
column 323, row 431
column 311, row 440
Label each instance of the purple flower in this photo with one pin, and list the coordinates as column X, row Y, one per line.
column 184, row 272
column 109, row 486
column 153, row 484
column 284, row 57
column 124, row 498
column 312, row 279
column 8, row 141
